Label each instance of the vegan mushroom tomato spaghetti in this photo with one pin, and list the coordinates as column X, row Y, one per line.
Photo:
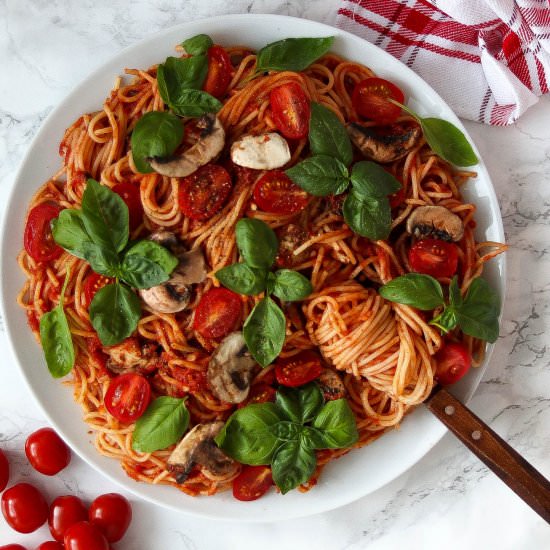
column 251, row 262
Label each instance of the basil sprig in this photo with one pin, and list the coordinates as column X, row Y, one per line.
column 161, row 425
column 197, row 45
column 264, row 329
column 56, row 339
column 476, row 314
column 98, row 233
column 285, row 434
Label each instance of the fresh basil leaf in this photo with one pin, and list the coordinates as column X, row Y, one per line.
column 177, row 74
column 446, row 320
column 264, row 331
column 270, row 283
column 320, row 175
column 414, row 289
column 455, row 297
column 197, row 44
column 256, row 242
column 286, row 431
column 336, row 423
column 156, row 134
column 300, row 404
column 194, row 103
column 371, row 180
column 292, row 54
column 290, row 285
column 328, row 136
column 368, row 217
column 242, row 279
column 247, row 435
column 114, row 311
column 313, row 437
column 293, row 464
column 161, row 425
column 56, row 339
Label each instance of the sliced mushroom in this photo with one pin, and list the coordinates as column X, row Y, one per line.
column 263, row 152
column 230, row 369
column 331, row 385
column 207, row 148
column 387, row 143
column 199, row 447
column 174, row 295
column 435, row 221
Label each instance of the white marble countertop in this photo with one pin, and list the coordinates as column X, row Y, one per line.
column 449, row 499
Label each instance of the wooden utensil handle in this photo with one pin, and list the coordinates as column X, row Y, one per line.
column 506, row 463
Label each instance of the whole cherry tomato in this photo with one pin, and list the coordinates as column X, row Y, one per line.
column 275, row 192
column 219, row 72
column 92, row 284
column 47, row 452
column 38, row 238
column 434, row 257
column 452, row 363
column 64, row 512
column 51, row 545
column 24, row 507
column 298, row 369
column 12, row 547
column 84, row 536
column 218, row 313
column 252, row 483
column 130, row 194
column 291, row 110
column 370, row 100
column 111, row 514
column 4, row 471
column 128, row 396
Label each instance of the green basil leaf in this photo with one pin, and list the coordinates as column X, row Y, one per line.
column 455, row 297
column 156, row 134
column 286, row 431
column 414, row 289
column 371, row 180
column 320, row 175
column 194, row 103
column 446, row 320
column 292, row 54
column 300, row 404
column 448, row 141
column 269, row 283
column 177, row 74
column 161, row 425
column 247, row 435
column 336, row 423
column 56, row 339
column 293, row 464
column 264, row 331
column 328, row 136
column 242, row 279
column 290, row 285
column 368, row 217
column 313, row 437
column 114, row 311
column 197, row 44
column 256, row 242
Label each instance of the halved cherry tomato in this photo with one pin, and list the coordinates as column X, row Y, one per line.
column 204, row 192
column 4, row 471
column 38, row 238
column 298, row 369
column 291, row 110
column 111, row 513
column 83, row 536
column 24, row 507
column 434, row 257
column 49, row 545
column 370, row 100
column 218, row 313
column 260, row 393
column 47, row 452
column 275, row 192
column 452, row 363
column 64, row 512
column 219, row 72
column 128, row 396
column 92, row 284
column 130, row 194
column 252, row 483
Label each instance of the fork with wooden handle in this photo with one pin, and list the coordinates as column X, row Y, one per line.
column 510, row 466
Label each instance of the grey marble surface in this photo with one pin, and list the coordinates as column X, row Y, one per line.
column 449, row 499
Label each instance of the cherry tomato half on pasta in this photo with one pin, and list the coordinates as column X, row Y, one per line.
column 130, row 194
column 218, row 313
column 111, row 513
column 290, row 110
column 65, row 511
column 434, row 257
column 38, row 238
column 127, row 397
column 24, row 507
column 219, row 73
column 452, row 363
column 84, row 536
column 276, row 193
column 260, row 393
column 92, row 284
column 370, row 100
column 252, row 483
column 47, row 452
column 299, row 369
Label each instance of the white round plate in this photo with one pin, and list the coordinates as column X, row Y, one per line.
column 358, row 473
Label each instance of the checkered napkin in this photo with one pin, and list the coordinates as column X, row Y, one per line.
column 489, row 59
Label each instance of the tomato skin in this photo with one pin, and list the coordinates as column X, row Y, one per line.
column 434, row 257
column 218, row 313
column 13, row 547
column 260, row 393
column 397, row 198
column 291, row 110
column 64, row 512
column 299, row 369
column 24, row 507
column 370, row 100
column 204, row 192
column 452, row 363
column 4, row 471
column 276, row 193
column 127, row 397
column 92, row 284
column 219, row 72
column 111, row 513
column 130, row 194
column 83, row 536
column 47, row 452
column 50, row 545
column 38, row 238
column 252, row 483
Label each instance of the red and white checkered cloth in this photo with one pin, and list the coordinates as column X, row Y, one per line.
column 489, row 59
